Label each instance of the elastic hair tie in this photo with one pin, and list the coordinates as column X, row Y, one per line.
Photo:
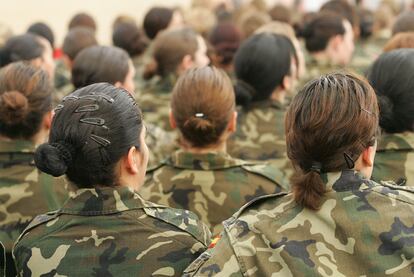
column 66, row 151
column 316, row 167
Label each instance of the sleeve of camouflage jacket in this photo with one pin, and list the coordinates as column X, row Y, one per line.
column 224, row 262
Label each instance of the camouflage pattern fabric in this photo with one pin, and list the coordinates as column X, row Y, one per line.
column 260, row 132
column 110, row 232
column 154, row 101
column 315, row 68
column 62, row 74
column 161, row 144
column 139, row 65
column 212, row 185
column 362, row 229
column 394, row 159
column 366, row 52
column 25, row 192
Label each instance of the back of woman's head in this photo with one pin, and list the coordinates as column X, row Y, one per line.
column 202, row 104
column 320, row 29
column 77, row 39
column 43, row 30
column 100, row 64
column 92, row 129
column 391, row 76
column 25, row 97
column 21, row 48
column 328, row 125
column 82, row 20
column 156, row 20
column 130, row 38
column 261, row 63
column 169, row 50
column 225, row 38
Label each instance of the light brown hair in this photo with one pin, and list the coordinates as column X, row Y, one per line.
column 25, row 97
column 202, row 104
column 169, row 49
column 328, row 125
column 400, row 40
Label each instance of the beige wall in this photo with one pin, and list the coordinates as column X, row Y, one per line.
column 19, row 14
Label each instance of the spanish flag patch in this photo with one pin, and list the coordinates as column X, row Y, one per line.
column 214, row 241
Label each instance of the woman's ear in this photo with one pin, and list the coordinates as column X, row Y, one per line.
column 368, row 156
column 171, row 118
column 47, row 120
column 133, row 160
column 232, row 126
column 287, row 82
column 187, row 63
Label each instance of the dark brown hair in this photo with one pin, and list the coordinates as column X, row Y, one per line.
column 157, row 19
column 25, row 97
column 320, row 29
column 130, row 38
column 76, row 40
column 169, row 49
column 100, row 64
column 202, row 104
column 82, row 20
column 328, row 125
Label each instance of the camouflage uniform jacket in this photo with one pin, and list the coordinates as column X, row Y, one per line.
column 362, row 229
column 394, row 159
column 212, row 185
column 25, row 192
column 316, row 68
column 155, row 101
column 62, row 74
column 260, row 132
column 110, row 232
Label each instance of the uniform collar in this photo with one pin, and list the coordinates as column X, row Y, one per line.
column 164, row 84
column 400, row 141
column 104, row 200
column 206, row 161
column 345, row 180
column 269, row 103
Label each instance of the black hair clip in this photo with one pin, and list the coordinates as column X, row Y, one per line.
column 70, row 97
column 87, row 108
column 349, row 161
column 94, row 96
column 100, row 140
column 93, row 121
column 58, row 108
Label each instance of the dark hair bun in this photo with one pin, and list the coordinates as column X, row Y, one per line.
column 14, row 107
column 53, row 158
column 244, row 94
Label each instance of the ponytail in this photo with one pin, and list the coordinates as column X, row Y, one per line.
column 308, row 189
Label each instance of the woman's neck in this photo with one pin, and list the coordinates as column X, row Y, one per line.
column 220, row 147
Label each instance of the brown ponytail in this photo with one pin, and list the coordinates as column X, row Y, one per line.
column 328, row 125
column 202, row 104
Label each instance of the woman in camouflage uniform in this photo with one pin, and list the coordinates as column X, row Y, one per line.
column 336, row 221
column 201, row 176
column 265, row 71
column 105, row 228
column 392, row 78
column 25, row 116
column 173, row 52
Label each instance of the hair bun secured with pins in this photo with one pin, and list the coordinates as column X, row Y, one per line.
column 54, row 158
column 14, row 107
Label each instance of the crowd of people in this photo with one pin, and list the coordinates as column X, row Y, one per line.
column 226, row 139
